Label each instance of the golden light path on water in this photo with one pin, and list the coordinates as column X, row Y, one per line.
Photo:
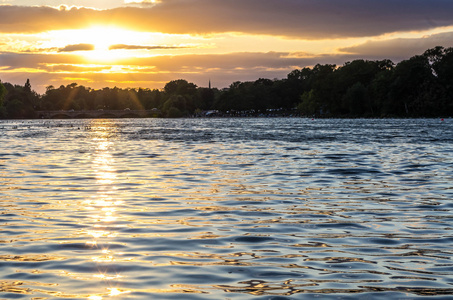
column 104, row 205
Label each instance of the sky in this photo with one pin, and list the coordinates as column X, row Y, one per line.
column 147, row 43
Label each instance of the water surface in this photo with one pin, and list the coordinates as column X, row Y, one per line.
column 226, row 209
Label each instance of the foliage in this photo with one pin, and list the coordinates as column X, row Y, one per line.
column 421, row 86
column 180, row 87
column 19, row 101
column 2, row 95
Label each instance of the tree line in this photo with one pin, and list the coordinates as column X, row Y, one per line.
column 421, row 86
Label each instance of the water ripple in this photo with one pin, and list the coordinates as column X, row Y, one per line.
column 226, row 209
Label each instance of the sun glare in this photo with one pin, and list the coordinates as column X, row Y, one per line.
column 98, row 41
column 104, row 37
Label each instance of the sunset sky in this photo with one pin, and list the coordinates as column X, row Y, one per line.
column 129, row 43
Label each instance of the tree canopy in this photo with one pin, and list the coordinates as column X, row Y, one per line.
column 421, row 86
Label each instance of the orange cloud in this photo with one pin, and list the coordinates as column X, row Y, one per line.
column 302, row 19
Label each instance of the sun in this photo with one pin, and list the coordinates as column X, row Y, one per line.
column 103, row 38
column 99, row 41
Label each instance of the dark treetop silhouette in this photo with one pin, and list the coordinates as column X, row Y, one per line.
column 421, row 86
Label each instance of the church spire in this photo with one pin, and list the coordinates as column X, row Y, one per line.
column 209, row 83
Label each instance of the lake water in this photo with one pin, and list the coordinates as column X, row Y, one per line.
column 226, row 209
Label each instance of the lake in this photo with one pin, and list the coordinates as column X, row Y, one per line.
column 280, row 208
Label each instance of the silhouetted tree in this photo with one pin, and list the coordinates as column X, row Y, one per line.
column 2, row 96
column 19, row 102
column 204, row 99
column 412, row 84
column 419, row 86
column 441, row 62
column 356, row 99
column 180, row 87
column 349, row 75
column 27, row 86
column 150, row 98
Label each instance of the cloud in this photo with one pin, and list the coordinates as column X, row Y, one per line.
column 138, row 47
column 223, row 69
column 31, row 60
column 154, row 72
column 77, row 47
column 308, row 19
column 170, row 63
column 400, row 48
column 141, row 2
column 32, row 19
column 100, row 4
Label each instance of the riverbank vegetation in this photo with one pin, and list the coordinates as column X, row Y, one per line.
column 421, row 86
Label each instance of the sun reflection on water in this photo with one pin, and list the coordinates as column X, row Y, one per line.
column 104, row 206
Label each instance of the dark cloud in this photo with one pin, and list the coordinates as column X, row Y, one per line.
column 138, row 47
column 77, row 47
column 32, row 19
column 400, row 48
column 310, row 19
